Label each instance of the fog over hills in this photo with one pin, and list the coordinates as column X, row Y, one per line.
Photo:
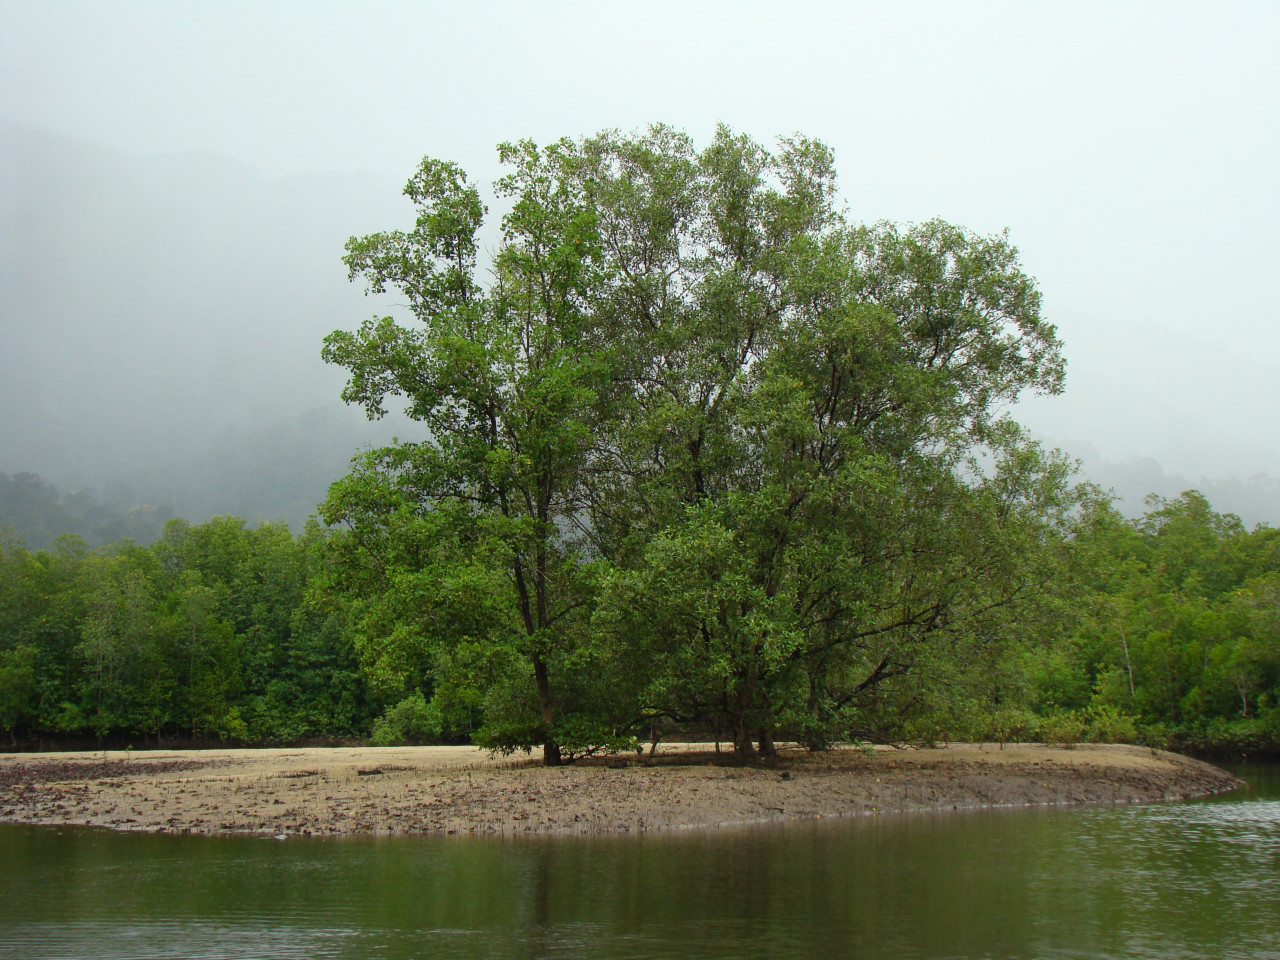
column 1255, row 499
column 161, row 321
column 160, row 328
column 168, row 268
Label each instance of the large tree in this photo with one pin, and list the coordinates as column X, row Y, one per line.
column 512, row 384
column 702, row 449
column 805, row 514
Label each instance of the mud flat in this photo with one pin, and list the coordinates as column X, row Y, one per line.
column 462, row 790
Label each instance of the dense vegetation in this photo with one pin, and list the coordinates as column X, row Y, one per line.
column 1178, row 635
column 220, row 632
column 704, row 457
column 208, row 633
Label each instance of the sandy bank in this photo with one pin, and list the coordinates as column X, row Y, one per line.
column 460, row 790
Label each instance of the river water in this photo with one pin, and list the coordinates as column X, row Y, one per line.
column 1197, row 879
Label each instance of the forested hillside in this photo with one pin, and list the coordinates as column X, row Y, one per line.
column 39, row 513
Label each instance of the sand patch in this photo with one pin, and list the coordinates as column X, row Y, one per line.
column 462, row 790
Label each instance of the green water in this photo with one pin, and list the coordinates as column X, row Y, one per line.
column 1181, row 880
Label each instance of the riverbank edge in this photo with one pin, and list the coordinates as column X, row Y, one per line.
column 464, row 791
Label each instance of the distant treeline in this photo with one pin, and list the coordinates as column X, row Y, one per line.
column 212, row 632
column 219, row 632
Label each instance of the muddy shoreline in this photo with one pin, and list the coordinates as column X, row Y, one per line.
column 461, row 790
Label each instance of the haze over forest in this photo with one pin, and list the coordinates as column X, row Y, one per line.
column 170, row 258
column 172, row 310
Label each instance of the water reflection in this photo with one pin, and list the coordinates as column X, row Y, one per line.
column 1181, row 880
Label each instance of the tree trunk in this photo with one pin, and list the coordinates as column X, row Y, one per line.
column 766, row 742
column 551, row 753
column 1128, row 665
column 550, row 749
column 742, row 743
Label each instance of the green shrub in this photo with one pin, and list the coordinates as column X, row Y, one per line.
column 412, row 720
column 1106, row 724
column 1101, row 723
column 1158, row 736
column 1064, row 729
column 1010, row 724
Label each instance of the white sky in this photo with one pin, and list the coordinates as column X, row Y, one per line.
column 1131, row 148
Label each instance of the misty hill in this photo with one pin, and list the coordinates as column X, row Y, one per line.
column 1254, row 499
column 37, row 512
column 161, row 318
column 160, row 329
column 274, row 473
column 278, row 471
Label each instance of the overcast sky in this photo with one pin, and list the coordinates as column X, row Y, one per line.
column 1130, row 148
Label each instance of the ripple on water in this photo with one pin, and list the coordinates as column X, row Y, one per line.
column 1255, row 823
column 172, row 940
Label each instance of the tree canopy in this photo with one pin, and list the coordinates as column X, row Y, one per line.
column 700, row 449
